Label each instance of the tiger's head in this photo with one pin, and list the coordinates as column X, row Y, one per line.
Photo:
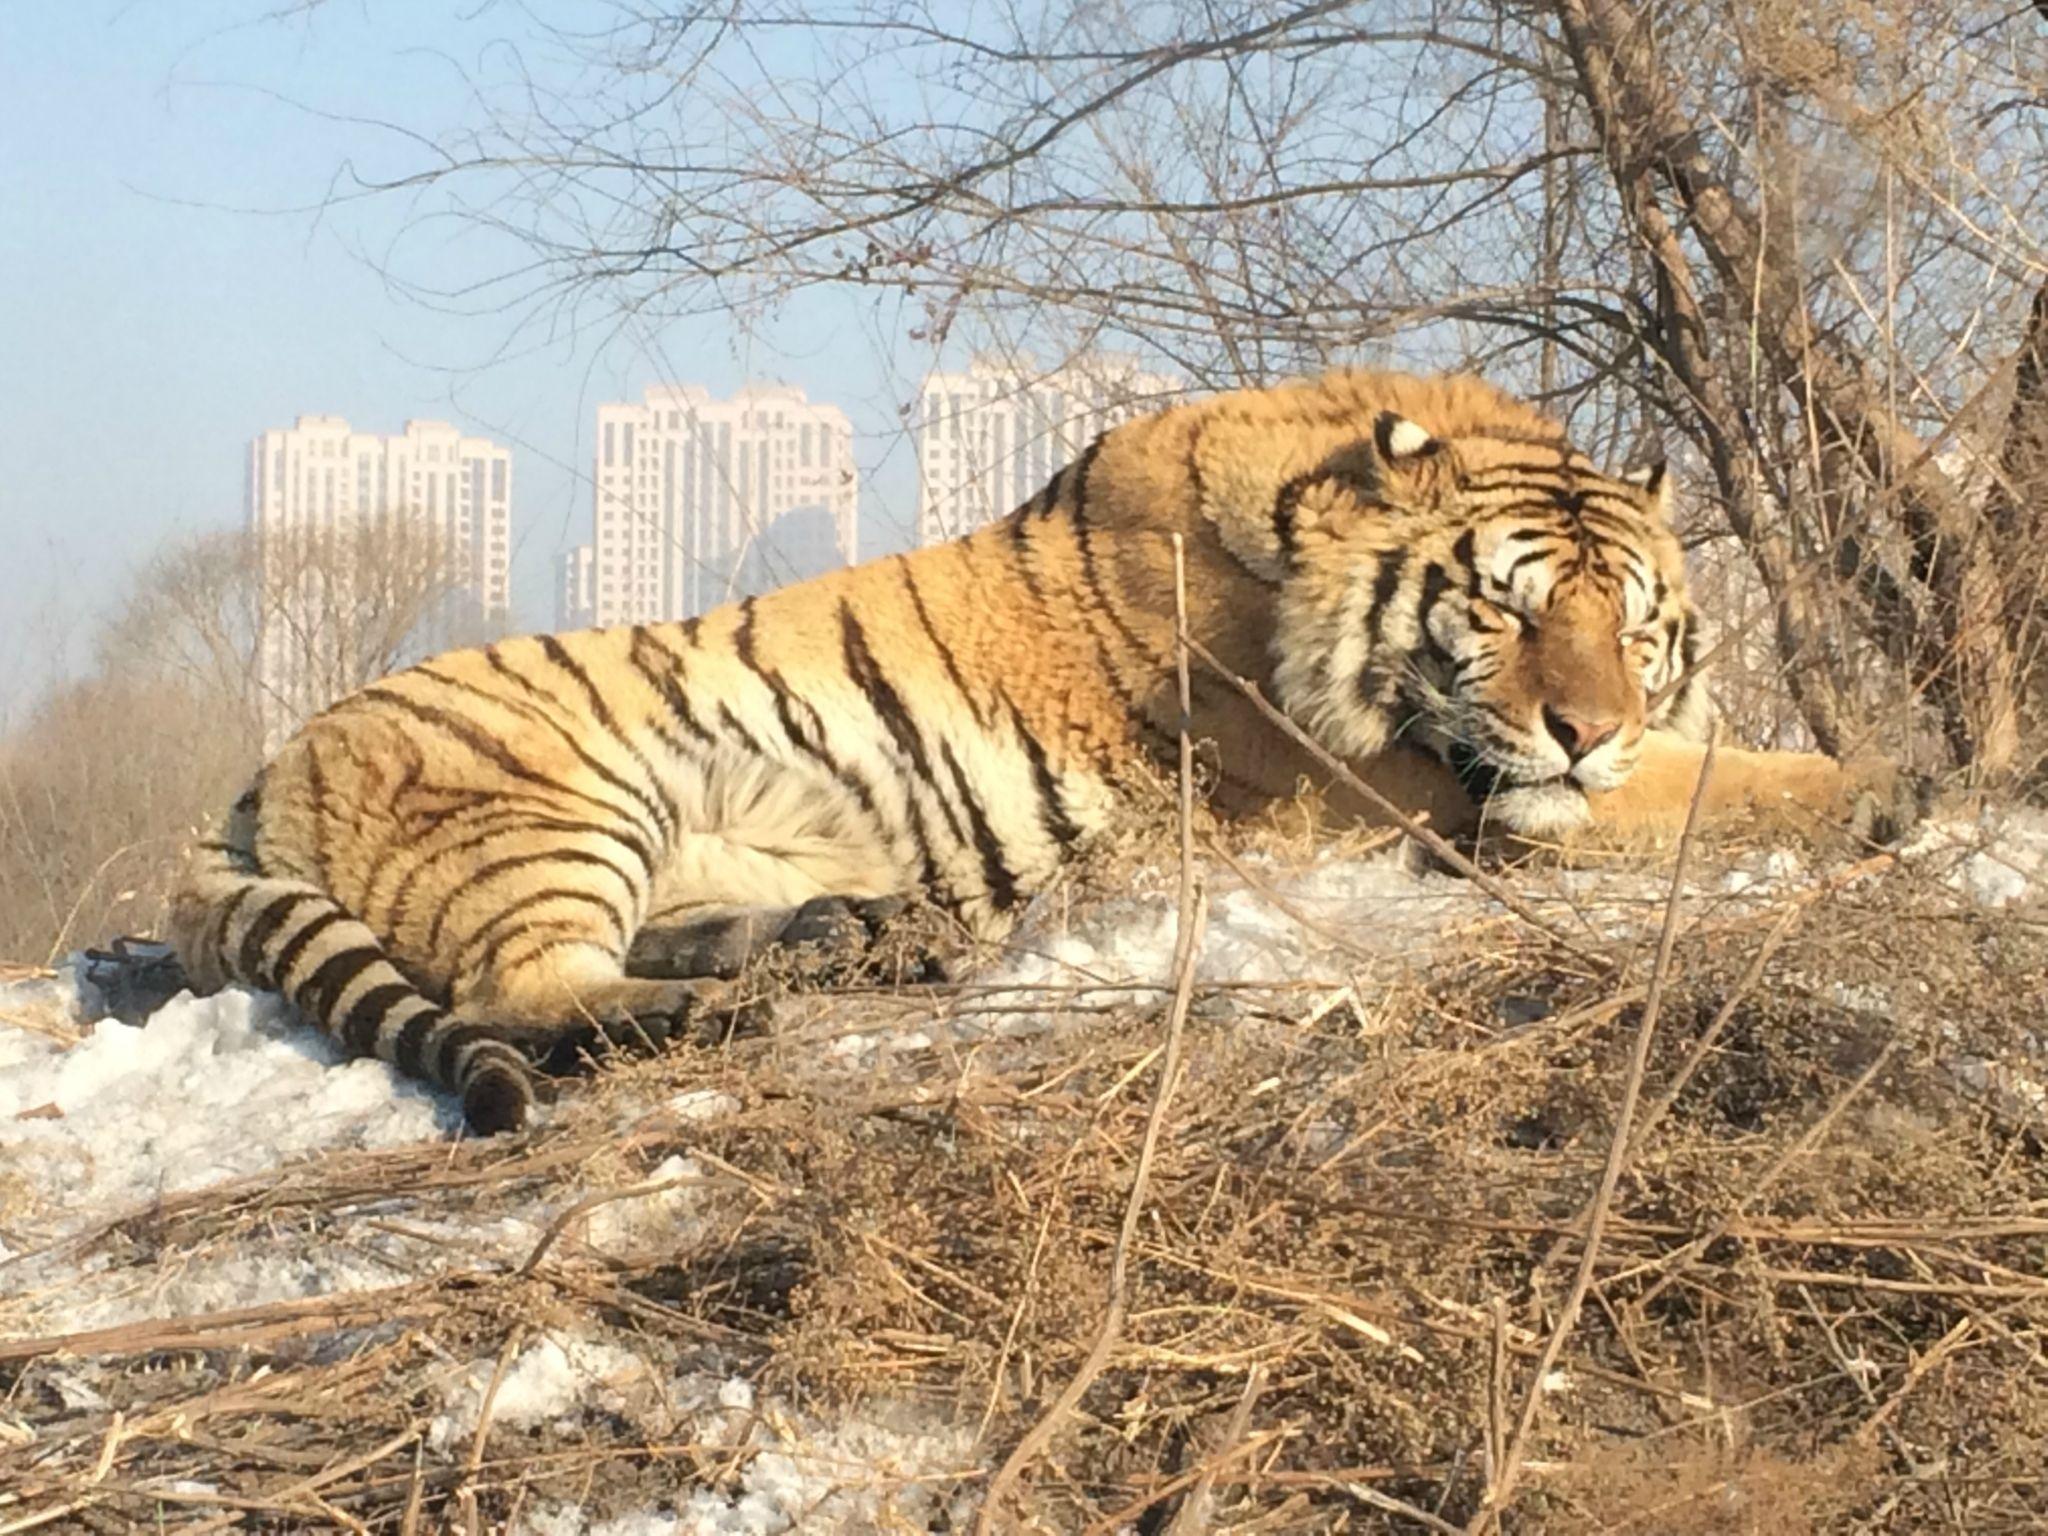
column 1495, row 600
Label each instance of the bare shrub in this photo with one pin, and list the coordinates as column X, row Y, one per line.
column 226, row 643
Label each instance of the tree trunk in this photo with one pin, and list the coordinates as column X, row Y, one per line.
column 1972, row 676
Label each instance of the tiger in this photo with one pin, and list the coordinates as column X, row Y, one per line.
column 502, row 853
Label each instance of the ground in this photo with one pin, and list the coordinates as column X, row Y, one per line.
column 827, row 1278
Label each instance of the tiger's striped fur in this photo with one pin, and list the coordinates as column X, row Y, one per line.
column 449, row 868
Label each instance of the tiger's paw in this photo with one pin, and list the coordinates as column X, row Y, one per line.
column 646, row 1019
column 1537, row 813
column 1886, row 802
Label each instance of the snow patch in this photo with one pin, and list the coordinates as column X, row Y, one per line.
column 1995, row 860
column 208, row 1089
column 891, row 1471
column 552, row 1382
column 661, row 1218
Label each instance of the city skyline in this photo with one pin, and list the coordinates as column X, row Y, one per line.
column 324, row 500
column 694, row 498
column 989, row 438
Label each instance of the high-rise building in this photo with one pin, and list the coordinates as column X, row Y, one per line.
column 989, row 439
column 576, row 596
column 372, row 548
column 701, row 500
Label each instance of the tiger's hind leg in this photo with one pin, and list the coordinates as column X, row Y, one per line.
column 823, row 942
column 568, row 1001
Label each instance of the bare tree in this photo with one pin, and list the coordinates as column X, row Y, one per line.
column 1795, row 244
column 225, row 643
column 272, row 626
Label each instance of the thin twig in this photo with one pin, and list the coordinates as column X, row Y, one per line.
column 1196, row 1509
column 1192, row 918
column 589, row 1203
column 490, row 1402
column 1431, row 839
column 1503, row 1486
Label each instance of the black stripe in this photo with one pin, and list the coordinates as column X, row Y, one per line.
column 316, row 785
column 224, row 914
column 867, row 675
column 332, row 979
column 1436, row 583
column 1002, row 885
column 944, row 651
column 484, row 747
column 1022, row 555
column 558, row 653
column 1112, row 665
column 526, row 824
column 508, row 865
column 1465, row 553
column 731, row 722
column 1285, row 503
column 358, row 1028
column 1499, row 476
column 262, row 928
column 665, row 682
column 807, row 734
column 1082, row 467
column 448, row 1044
column 1386, row 582
column 1052, row 810
column 504, row 927
column 743, row 638
column 660, row 810
column 1378, row 688
column 1530, row 558
column 298, row 943
column 409, row 1054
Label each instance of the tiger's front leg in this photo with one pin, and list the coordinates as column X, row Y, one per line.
column 1789, row 789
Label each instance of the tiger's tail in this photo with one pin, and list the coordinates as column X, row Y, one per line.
column 230, row 922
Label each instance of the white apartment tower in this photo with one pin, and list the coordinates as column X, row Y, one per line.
column 700, row 500
column 335, row 512
column 989, row 439
column 576, row 592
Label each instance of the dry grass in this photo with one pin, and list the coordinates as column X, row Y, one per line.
column 1818, row 1304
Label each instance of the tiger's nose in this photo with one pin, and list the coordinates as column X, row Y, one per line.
column 1577, row 734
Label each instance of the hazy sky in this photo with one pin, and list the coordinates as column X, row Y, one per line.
column 166, row 293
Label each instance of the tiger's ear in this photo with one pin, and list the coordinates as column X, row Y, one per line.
column 1400, row 440
column 1655, row 484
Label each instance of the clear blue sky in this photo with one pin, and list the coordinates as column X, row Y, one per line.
column 149, row 326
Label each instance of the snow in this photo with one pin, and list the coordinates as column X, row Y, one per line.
column 662, row 1218
column 215, row 1088
column 1995, row 860
column 207, row 1090
column 863, row 1472
column 793, row 1472
column 553, row 1381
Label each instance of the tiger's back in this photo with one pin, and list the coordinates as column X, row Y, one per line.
column 456, row 867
